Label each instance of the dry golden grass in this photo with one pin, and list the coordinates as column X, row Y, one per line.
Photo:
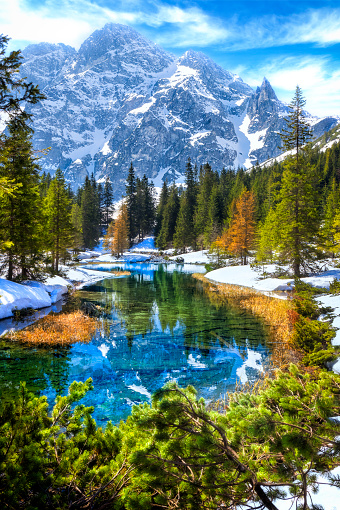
column 274, row 311
column 121, row 273
column 61, row 329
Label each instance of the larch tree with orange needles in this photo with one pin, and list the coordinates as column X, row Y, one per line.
column 239, row 237
column 117, row 237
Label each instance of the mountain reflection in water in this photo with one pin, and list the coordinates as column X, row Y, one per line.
column 157, row 325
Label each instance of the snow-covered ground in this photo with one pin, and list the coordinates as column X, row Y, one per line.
column 193, row 257
column 249, row 277
column 36, row 295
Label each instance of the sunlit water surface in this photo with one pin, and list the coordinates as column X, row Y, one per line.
column 157, row 325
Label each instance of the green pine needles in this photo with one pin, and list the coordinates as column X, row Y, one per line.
column 266, row 446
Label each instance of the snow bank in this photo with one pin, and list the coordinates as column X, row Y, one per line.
column 193, row 257
column 14, row 296
column 248, row 277
column 31, row 294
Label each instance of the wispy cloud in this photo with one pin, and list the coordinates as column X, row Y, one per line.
column 70, row 21
column 320, row 27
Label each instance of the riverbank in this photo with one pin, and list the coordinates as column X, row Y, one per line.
column 272, row 310
column 41, row 297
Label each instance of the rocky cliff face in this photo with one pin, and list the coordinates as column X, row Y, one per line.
column 121, row 98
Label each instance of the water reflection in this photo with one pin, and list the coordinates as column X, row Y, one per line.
column 157, row 325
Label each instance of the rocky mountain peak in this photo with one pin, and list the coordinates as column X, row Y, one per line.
column 118, row 44
column 122, row 98
column 267, row 91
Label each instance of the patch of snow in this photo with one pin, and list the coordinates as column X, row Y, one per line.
column 194, row 257
column 105, row 149
column 14, row 296
column 195, row 139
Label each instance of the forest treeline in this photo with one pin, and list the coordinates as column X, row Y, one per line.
column 287, row 212
column 262, row 210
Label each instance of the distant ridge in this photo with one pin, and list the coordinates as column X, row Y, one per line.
column 122, row 98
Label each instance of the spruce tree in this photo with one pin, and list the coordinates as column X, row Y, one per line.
column 131, row 203
column 58, row 212
column 161, row 206
column 170, row 215
column 107, row 202
column 206, row 182
column 20, row 211
column 297, row 214
column 184, row 234
column 90, row 210
column 77, row 224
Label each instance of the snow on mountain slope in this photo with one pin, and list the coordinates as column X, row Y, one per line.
column 121, row 98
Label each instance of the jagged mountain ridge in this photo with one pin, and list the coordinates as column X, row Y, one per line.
column 121, row 98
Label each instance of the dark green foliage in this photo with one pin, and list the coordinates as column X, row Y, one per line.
column 63, row 461
column 311, row 336
column 263, row 443
column 298, row 131
column 266, row 446
column 184, row 234
column 131, row 202
column 21, row 224
column 169, row 219
column 58, row 214
column 90, row 211
column 106, row 203
column 145, row 207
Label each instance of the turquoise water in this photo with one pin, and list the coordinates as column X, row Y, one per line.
column 156, row 325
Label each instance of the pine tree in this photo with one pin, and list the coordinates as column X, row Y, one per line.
column 170, row 215
column 184, row 234
column 207, row 180
column 330, row 226
column 20, row 211
column 297, row 215
column 58, row 212
column 161, row 206
column 297, row 132
column 214, row 225
column 239, row 237
column 131, row 203
column 107, row 202
column 90, row 210
column 77, row 224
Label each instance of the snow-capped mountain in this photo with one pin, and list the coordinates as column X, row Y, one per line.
column 121, row 98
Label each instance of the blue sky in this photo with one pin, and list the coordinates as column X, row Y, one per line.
column 289, row 42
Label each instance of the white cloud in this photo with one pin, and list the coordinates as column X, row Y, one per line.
column 71, row 21
column 320, row 27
